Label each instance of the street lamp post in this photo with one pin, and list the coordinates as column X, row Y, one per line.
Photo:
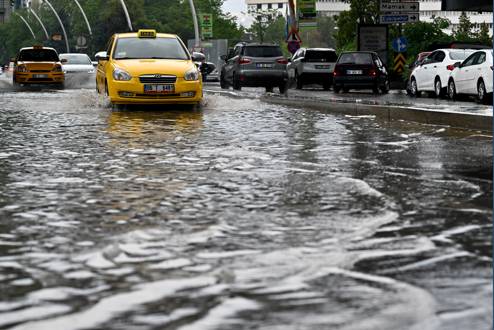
column 197, row 39
column 40, row 22
column 85, row 17
column 61, row 24
column 129, row 23
column 27, row 24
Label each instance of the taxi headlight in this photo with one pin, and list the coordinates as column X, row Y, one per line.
column 57, row 68
column 191, row 75
column 21, row 68
column 122, row 75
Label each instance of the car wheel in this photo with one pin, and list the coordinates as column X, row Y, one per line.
column 236, row 83
column 223, row 83
column 269, row 89
column 451, row 89
column 385, row 88
column 346, row 89
column 481, row 92
column 326, row 86
column 375, row 89
column 438, row 88
column 282, row 88
column 336, row 89
column 414, row 90
column 298, row 81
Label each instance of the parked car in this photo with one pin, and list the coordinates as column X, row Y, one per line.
column 432, row 74
column 360, row 70
column 312, row 66
column 254, row 65
column 473, row 76
column 418, row 61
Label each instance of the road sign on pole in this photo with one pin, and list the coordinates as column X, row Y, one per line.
column 399, row 18
column 399, row 62
column 206, row 21
column 399, row 44
column 399, row 7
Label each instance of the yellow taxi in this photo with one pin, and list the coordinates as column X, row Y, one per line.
column 38, row 65
column 147, row 67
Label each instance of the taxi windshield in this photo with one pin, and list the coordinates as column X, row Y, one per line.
column 149, row 48
column 76, row 59
column 38, row 55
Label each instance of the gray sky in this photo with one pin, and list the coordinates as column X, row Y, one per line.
column 235, row 7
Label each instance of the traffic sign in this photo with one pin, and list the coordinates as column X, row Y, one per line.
column 399, row 63
column 399, row 18
column 399, row 44
column 81, row 41
column 399, row 6
column 293, row 46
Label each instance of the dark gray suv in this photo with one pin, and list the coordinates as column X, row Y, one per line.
column 254, row 65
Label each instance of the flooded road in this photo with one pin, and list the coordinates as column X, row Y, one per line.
column 239, row 215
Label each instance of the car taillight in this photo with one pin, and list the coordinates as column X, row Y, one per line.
column 450, row 67
column 492, row 67
column 282, row 61
column 336, row 71
column 244, row 61
column 372, row 72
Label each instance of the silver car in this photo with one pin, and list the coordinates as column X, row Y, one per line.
column 78, row 68
column 312, row 66
column 254, row 65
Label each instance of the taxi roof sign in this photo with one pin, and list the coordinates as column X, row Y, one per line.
column 146, row 33
column 37, row 47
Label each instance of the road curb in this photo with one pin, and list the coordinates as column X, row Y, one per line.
column 389, row 112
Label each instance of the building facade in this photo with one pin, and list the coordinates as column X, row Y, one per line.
column 428, row 10
column 5, row 10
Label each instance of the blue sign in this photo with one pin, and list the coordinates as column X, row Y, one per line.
column 400, row 44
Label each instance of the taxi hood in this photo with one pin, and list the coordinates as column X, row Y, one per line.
column 38, row 65
column 154, row 66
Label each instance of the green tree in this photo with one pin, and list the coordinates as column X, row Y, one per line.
column 361, row 11
column 264, row 20
column 482, row 36
column 464, row 30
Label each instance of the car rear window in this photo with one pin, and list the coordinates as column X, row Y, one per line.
column 355, row 58
column 459, row 54
column 38, row 55
column 320, row 56
column 263, row 51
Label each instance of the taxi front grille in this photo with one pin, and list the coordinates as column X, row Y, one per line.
column 40, row 79
column 162, row 96
column 37, row 71
column 157, row 79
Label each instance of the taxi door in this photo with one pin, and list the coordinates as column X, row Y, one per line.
column 103, row 62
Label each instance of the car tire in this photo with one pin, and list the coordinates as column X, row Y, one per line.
column 481, row 92
column 269, row 89
column 414, row 90
column 299, row 81
column 326, row 86
column 282, row 88
column 385, row 87
column 438, row 88
column 336, row 89
column 451, row 90
column 345, row 89
column 223, row 83
column 236, row 83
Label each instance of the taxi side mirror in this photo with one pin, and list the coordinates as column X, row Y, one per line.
column 223, row 57
column 198, row 57
column 101, row 56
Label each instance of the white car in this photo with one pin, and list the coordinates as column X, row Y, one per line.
column 77, row 64
column 312, row 66
column 473, row 76
column 433, row 74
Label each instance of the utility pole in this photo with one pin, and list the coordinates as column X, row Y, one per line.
column 197, row 38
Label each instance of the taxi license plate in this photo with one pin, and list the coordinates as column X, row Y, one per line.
column 264, row 65
column 354, row 71
column 323, row 66
column 40, row 76
column 159, row 89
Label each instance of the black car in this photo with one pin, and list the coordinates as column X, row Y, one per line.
column 360, row 70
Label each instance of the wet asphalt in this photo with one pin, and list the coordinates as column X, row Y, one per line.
column 238, row 215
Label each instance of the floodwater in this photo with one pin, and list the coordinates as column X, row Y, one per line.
column 238, row 215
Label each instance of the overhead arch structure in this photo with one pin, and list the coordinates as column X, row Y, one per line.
column 40, row 22
column 61, row 25
column 85, row 17
column 27, row 24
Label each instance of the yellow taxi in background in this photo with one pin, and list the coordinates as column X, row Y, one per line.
column 38, row 65
column 146, row 67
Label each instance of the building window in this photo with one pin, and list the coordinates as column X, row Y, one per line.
column 259, row 6
column 270, row 6
column 280, row 5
